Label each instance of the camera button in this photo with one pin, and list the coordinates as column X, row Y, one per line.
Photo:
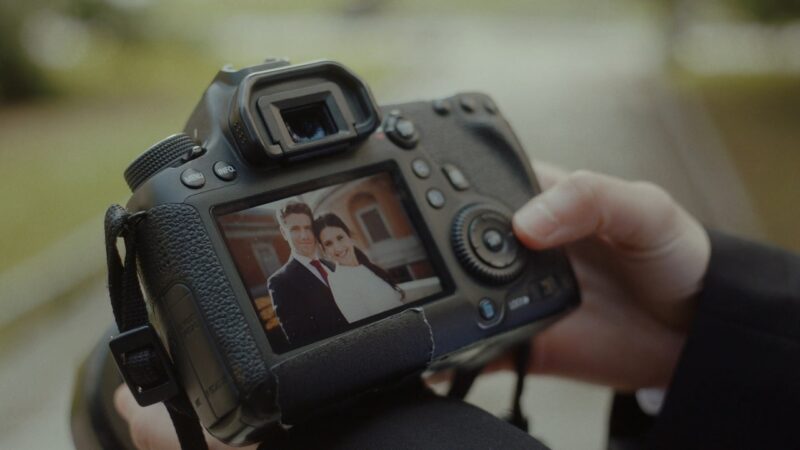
column 456, row 177
column 401, row 131
column 435, row 198
column 547, row 287
column 421, row 168
column 487, row 309
column 405, row 128
column 490, row 107
column 193, row 179
column 441, row 107
column 493, row 240
column 224, row 171
column 468, row 104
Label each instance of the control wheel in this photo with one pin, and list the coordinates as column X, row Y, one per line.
column 485, row 244
column 159, row 156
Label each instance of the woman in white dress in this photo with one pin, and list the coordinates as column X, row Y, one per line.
column 360, row 288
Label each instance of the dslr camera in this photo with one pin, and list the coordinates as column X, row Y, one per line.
column 300, row 245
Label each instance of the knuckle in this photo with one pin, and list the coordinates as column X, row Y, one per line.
column 666, row 211
column 588, row 185
column 651, row 189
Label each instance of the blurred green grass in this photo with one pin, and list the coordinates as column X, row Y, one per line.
column 64, row 162
column 570, row 8
column 63, row 158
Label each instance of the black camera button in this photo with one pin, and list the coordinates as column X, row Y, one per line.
column 441, row 107
column 421, row 168
column 493, row 240
column 224, row 171
column 401, row 131
column 547, row 287
column 193, row 179
column 468, row 104
column 490, row 107
column 487, row 309
column 456, row 177
column 435, row 198
column 405, row 128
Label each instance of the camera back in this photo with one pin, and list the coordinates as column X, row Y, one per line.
column 300, row 245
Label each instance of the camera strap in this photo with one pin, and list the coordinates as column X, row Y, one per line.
column 463, row 379
column 142, row 360
column 521, row 355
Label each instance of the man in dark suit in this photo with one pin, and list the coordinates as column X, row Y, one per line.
column 300, row 293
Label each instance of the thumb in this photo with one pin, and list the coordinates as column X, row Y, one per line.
column 633, row 215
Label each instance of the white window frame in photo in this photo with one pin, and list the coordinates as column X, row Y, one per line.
column 363, row 225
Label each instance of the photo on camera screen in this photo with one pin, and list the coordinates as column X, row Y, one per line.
column 316, row 263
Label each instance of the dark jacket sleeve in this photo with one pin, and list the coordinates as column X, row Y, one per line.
column 737, row 384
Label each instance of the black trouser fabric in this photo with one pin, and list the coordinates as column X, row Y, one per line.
column 411, row 418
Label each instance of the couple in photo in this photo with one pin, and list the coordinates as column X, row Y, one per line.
column 315, row 297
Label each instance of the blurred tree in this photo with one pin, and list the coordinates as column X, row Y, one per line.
column 680, row 14
column 770, row 10
column 112, row 17
column 20, row 76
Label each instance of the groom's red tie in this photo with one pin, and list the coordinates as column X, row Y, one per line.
column 320, row 269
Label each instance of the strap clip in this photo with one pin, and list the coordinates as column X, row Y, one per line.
column 132, row 221
column 144, row 365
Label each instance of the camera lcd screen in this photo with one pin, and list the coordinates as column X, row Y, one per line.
column 329, row 259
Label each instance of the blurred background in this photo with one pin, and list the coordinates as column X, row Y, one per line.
column 700, row 97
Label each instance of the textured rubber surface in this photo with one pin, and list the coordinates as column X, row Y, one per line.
column 174, row 247
column 156, row 158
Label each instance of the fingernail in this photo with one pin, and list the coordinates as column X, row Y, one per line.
column 536, row 219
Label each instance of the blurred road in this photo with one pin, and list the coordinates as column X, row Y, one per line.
column 580, row 94
column 38, row 371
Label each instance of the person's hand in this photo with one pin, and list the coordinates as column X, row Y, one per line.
column 639, row 259
column 151, row 427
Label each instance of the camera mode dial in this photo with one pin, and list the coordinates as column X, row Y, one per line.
column 160, row 156
column 484, row 242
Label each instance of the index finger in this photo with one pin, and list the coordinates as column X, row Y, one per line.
column 634, row 215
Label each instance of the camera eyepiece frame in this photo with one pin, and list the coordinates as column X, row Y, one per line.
column 324, row 95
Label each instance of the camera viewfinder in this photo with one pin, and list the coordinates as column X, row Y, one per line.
column 309, row 122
